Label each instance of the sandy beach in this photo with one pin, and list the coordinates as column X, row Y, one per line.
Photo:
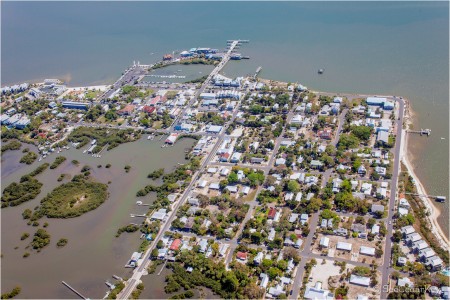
column 429, row 203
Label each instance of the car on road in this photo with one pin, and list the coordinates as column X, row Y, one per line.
column 390, row 222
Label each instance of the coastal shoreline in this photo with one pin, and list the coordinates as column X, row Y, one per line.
column 405, row 157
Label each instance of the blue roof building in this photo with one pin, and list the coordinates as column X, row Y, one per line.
column 75, row 105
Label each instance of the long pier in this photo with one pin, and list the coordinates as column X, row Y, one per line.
column 438, row 198
column 135, row 216
column 421, row 131
column 257, row 72
column 162, row 268
column 74, row 290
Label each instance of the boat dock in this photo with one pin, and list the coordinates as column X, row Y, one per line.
column 74, row 290
column 162, row 268
column 438, row 198
column 110, row 285
column 167, row 76
column 426, row 132
column 117, row 277
column 257, row 72
column 136, row 216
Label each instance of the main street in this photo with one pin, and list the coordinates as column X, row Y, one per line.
column 134, row 280
column 131, row 284
column 387, row 251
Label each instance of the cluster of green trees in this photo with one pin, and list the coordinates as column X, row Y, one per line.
column 119, row 287
column 353, row 139
column 308, row 267
column 38, row 170
column 62, row 242
column 170, row 181
column 156, row 174
column 131, row 92
column 186, row 295
column 137, row 292
column 253, row 178
column 219, row 221
column 8, row 134
column 17, row 193
column 212, row 118
column 13, row 145
column 41, row 239
column 127, row 228
column 232, row 284
column 104, row 136
column 58, row 160
column 74, row 198
column 281, row 99
column 15, row 291
column 199, row 61
column 94, row 113
column 198, row 80
column 28, row 158
column 111, row 115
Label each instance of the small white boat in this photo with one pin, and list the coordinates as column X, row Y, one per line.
column 110, row 285
column 85, row 151
column 40, row 158
column 442, row 138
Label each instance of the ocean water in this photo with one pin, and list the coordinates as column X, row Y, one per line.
column 399, row 48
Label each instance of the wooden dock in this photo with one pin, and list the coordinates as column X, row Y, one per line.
column 438, row 198
column 426, row 132
column 74, row 290
column 162, row 268
column 257, row 72
column 136, row 216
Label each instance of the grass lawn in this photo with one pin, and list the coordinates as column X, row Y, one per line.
column 250, row 196
column 157, row 124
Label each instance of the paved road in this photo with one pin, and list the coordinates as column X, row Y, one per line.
column 139, row 271
column 387, row 251
column 306, row 252
column 254, row 203
column 131, row 284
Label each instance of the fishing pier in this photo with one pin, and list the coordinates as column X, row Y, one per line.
column 438, row 198
column 257, row 72
column 74, row 290
column 426, row 132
